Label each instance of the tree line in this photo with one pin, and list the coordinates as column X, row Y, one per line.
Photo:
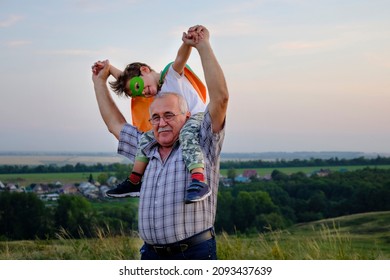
column 297, row 198
column 68, row 168
column 247, row 208
column 80, row 167
column 25, row 216
column 278, row 163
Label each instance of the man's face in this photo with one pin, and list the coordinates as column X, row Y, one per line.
column 167, row 132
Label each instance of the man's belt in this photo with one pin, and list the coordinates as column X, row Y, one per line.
column 181, row 246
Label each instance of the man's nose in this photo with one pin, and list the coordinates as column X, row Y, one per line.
column 163, row 122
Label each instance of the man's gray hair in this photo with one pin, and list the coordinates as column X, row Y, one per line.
column 183, row 106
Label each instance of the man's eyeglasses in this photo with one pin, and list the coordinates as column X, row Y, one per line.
column 167, row 117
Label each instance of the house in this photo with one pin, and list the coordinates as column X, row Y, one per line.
column 40, row 189
column 49, row 197
column 69, row 189
column 267, row 177
column 241, row 179
column 226, row 182
column 12, row 187
column 250, row 173
column 89, row 190
column 112, row 181
column 322, row 172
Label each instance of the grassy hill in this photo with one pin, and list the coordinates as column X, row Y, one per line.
column 361, row 236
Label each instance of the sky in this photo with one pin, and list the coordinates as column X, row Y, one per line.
column 303, row 75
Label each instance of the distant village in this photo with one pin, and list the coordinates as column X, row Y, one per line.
column 94, row 190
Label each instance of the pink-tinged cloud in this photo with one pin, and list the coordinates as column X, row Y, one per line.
column 18, row 43
column 10, row 21
column 302, row 47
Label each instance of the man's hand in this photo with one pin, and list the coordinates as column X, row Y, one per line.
column 100, row 71
column 195, row 35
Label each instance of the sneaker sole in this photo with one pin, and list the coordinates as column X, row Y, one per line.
column 133, row 194
column 198, row 199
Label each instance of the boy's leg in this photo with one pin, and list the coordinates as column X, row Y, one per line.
column 138, row 171
column 132, row 185
column 198, row 174
column 193, row 158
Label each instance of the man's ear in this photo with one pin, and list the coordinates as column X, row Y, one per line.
column 188, row 115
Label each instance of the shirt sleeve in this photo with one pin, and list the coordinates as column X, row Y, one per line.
column 128, row 141
column 211, row 142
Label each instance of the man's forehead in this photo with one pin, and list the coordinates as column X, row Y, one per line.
column 167, row 103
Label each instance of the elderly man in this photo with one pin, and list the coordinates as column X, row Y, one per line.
column 170, row 228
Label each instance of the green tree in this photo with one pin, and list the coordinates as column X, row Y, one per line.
column 23, row 216
column 277, row 175
column 102, row 178
column 231, row 174
column 75, row 215
column 224, row 219
column 123, row 171
column 244, row 211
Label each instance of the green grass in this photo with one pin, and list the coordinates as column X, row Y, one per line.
column 64, row 178
column 355, row 237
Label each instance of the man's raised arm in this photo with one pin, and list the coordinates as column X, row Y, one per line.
column 110, row 113
column 215, row 79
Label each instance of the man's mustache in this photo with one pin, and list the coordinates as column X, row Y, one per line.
column 162, row 129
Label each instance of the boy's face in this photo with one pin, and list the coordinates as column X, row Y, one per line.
column 150, row 83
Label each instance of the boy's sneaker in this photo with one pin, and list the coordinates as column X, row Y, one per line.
column 125, row 189
column 197, row 191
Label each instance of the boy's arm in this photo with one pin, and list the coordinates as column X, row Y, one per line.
column 183, row 54
column 115, row 72
column 99, row 65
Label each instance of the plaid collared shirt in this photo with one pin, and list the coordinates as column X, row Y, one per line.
column 163, row 216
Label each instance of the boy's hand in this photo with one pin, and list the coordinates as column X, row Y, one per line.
column 97, row 66
column 195, row 35
column 101, row 70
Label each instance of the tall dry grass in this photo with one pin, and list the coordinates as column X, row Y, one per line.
column 322, row 242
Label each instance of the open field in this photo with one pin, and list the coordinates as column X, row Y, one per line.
column 60, row 160
column 47, row 178
column 77, row 177
column 355, row 237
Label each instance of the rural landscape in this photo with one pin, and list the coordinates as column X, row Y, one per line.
column 282, row 209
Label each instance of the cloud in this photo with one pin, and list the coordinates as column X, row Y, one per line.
column 72, row 52
column 99, row 5
column 233, row 28
column 10, row 21
column 379, row 59
column 239, row 27
column 301, row 47
column 107, row 52
column 17, row 43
